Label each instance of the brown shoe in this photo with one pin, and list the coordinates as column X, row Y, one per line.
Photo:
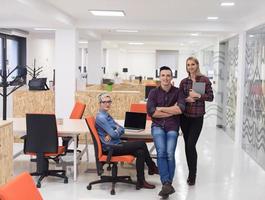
column 145, row 185
column 167, row 189
column 153, row 170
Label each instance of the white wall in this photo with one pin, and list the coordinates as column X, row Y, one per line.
column 138, row 63
column 141, row 63
column 41, row 48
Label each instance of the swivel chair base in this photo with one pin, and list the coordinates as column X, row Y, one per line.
column 56, row 173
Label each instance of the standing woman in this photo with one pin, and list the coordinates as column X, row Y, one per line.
column 191, row 121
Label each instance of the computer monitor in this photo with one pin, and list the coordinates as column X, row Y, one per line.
column 38, row 84
column 107, row 81
column 148, row 88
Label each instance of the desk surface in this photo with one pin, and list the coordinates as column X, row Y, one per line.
column 68, row 127
column 4, row 123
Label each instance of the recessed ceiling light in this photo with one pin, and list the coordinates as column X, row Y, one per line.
column 126, row 31
column 227, row 4
column 83, row 42
column 110, row 13
column 136, row 43
column 212, row 18
column 44, row 29
column 194, row 34
column 251, row 36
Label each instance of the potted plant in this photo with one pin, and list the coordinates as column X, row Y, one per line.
column 109, row 86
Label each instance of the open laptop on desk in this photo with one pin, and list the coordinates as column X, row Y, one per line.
column 135, row 121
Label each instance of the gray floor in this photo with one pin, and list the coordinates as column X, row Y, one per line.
column 225, row 172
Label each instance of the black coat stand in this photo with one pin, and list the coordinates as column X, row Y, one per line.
column 19, row 81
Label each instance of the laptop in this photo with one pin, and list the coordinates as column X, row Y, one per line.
column 199, row 87
column 135, row 121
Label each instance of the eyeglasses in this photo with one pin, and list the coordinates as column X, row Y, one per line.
column 105, row 102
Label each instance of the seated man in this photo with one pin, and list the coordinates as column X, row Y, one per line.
column 110, row 133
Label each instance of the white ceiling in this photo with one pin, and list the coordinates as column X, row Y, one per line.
column 160, row 22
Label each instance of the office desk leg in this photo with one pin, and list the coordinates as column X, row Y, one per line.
column 87, row 156
column 75, row 157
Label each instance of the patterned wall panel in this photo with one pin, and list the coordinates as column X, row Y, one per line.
column 210, row 67
column 220, row 59
column 227, row 85
column 253, row 138
column 231, row 86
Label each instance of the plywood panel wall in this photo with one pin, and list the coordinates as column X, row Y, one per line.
column 6, row 151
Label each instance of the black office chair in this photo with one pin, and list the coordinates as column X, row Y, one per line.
column 42, row 141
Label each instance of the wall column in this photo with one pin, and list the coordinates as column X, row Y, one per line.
column 94, row 62
column 65, row 71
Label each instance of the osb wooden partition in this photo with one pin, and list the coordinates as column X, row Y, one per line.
column 121, row 87
column 33, row 102
column 6, row 151
column 122, row 101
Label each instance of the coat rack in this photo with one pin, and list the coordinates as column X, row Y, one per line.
column 17, row 82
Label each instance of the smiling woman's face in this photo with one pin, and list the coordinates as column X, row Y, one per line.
column 191, row 66
column 105, row 103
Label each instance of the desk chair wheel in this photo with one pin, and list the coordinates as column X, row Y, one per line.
column 112, row 192
column 38, row 185
column 65, row 180
column 109, row 168
column 89, row 187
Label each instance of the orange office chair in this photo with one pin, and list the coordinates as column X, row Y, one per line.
column 41, row 141
column 76, row 113
column 21, row 187
column 139, row 107
column 102, row 159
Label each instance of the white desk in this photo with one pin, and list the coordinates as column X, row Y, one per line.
column 145, row 134
column 69, row 127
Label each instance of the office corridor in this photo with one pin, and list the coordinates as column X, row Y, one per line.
column 225, row 172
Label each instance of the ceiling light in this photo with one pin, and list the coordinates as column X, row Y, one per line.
column 251, row 36
column 44, row 29
column 212, row 18
column 227, row 4
column 83, row 42
column 136, row 43
column 194, row 34
column 126, row 31
column 110, row 13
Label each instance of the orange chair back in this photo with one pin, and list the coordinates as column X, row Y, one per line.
column 21, row 187
column 91, row 125
column 78, row 111
column 139, row 107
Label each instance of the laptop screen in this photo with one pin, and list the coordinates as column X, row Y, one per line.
column 135, row 120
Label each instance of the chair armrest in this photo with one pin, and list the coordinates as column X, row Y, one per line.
column 23, row 137
column 110, row 151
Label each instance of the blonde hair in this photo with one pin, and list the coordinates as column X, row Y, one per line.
column 198, row 72
column 103, row 95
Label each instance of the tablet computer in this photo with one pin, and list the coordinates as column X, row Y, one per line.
column 199, row 87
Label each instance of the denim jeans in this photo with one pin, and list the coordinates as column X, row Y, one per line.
column 165, row 143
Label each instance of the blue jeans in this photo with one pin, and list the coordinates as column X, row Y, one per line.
column 165, row 143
